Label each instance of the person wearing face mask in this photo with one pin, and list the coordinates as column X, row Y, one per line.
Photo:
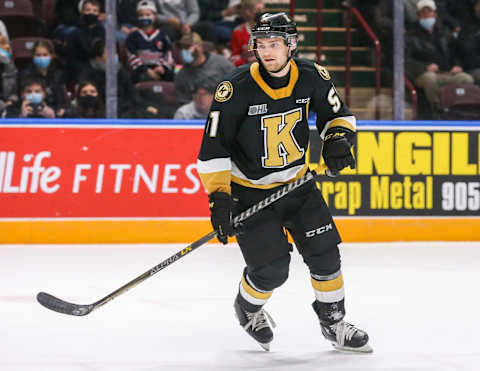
column 149, row 49
column 8, row 75
column 469, row 44
column 44, row 64
column 79, row 42
column 33, row 103
column 431, row 61
column 198, row 65
column 88, row 102
column 96, row 72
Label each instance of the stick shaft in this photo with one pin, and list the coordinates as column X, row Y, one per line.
column 62, row 306
column 172, row 259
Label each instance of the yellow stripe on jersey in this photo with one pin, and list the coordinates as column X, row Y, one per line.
column 247, row 183
column 331, row 285
column 216, row 181
column 341, row 123
column 280, row 93
column 254, row 293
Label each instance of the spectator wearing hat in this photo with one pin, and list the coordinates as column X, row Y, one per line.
column 176, row 17
column 430, row 55
column 198, row 65
column 202, row 98
column 149, row 49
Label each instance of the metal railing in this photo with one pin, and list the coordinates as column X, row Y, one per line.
column 351, row 11
column 413, row 93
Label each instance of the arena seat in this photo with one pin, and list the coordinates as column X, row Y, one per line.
column 20, row 19
column 460, row 102
column 158, row 94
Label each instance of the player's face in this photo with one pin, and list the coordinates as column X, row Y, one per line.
column 273, row 53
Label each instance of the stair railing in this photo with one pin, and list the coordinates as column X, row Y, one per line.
column 413, row 93
column 351, row 11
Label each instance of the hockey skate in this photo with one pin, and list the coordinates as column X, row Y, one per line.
column 256, row 325
column 343, row 335
column 346, row 337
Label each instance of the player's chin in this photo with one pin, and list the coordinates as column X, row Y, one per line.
column 271, row 67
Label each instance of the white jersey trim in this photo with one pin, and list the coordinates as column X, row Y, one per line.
column 277, row 177
column 350, row 119
column 330, row 296
column 214, row 165
column 250, row 298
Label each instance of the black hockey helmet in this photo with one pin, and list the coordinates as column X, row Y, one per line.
column 274, row 25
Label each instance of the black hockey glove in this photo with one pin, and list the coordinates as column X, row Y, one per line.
column 336, row 150
column 221, row 205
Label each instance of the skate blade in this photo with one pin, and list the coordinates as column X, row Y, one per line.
column 363, row 349
column 265, row 346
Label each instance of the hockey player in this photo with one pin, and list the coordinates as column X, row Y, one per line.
column 255, row 141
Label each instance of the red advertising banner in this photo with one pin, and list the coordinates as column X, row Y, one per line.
column 64, row 172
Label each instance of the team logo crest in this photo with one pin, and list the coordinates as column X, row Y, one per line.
column 159, row 45
column 322, row 71
column 224, row 91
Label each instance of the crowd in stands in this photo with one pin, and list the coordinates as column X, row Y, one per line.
column 172, row 53
column 442, row 42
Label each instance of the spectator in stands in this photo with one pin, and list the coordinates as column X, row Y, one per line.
column 88, row 102
column 212, row 26
column 249, row 10
column 199, row 107
column 127, row 20
column 96, row 72
column 8, row 74
column 177, row 17
column 79, row 43
column 430, row 55
column 44, row 64
column 197, row 66
column 3, row 30
column 67, row 15
column 149, row 50
column 32, row 105
column 469, row 44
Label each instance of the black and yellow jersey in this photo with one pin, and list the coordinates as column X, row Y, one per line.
column 257, row 132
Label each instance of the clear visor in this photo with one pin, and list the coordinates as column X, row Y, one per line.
column 290, row 39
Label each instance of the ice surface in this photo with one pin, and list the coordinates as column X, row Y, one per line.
column 418, row 301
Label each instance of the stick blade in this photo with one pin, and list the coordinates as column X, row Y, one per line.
column 61, row 306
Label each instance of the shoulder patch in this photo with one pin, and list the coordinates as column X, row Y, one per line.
column 224, row 91
column 322, row 71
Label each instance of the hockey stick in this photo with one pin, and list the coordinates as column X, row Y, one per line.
column 61, row 306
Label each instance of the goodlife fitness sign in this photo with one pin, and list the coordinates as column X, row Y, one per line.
column 53, row 171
